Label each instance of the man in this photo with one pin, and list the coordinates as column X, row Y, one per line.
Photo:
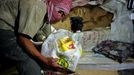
column 20, row 20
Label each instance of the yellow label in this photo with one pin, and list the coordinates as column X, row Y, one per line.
column 66, row 44
column 63, row 62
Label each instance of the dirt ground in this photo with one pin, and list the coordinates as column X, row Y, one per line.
column 97, row 72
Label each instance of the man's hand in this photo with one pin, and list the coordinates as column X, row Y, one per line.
column 51, row 62
column 55, row 67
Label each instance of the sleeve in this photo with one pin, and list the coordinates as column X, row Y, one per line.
column 43, row 33
column 32, row 13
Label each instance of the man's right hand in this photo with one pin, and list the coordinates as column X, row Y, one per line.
column 55, row 67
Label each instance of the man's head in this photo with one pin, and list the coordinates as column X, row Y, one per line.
column 57, row 9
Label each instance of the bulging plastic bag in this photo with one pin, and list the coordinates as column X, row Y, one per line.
column 62, row 45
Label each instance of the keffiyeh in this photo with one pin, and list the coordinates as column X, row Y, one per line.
column 53, row 6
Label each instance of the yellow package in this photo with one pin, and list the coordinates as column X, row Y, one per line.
column 66, row 44
column 63, row 62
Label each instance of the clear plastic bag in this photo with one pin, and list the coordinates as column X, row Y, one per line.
column 68, row 57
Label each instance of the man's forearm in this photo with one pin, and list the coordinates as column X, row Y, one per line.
column 30, row 48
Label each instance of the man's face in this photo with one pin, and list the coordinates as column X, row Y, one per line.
column 58, row 15
column 61, row 13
